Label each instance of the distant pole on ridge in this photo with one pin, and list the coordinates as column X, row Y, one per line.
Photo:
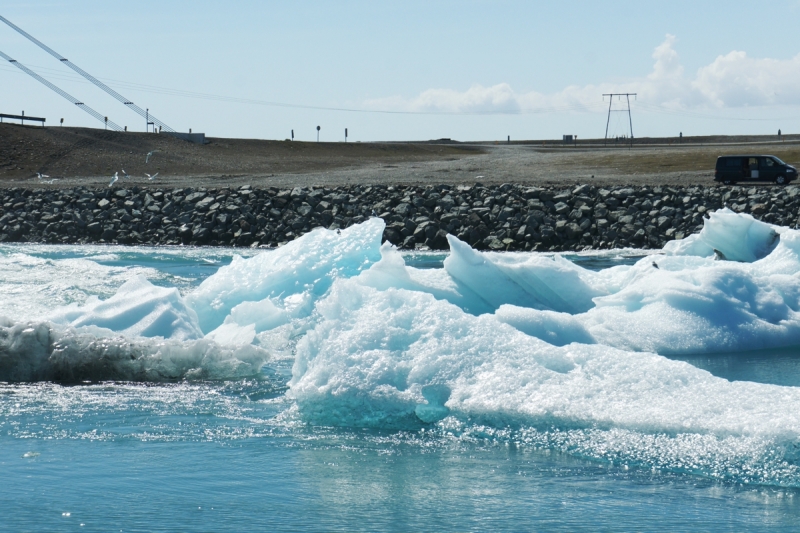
column 345, row 135
column 318, row 128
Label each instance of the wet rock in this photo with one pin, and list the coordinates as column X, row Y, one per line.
column 501, row 218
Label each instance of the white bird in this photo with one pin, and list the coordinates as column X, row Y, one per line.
column 114, row 179
column 151, row 178
column 125, row 174
column 41, row 176
column 51, row 181
column 149, row 155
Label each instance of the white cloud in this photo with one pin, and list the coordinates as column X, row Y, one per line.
column 735, row 80
column 732, row 80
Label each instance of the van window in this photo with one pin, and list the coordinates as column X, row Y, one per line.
column 733, row 162
column 769, row 162
column 777, row 160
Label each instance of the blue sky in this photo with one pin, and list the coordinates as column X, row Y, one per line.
column 468, row 70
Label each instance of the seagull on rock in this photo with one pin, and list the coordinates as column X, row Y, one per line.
column 114, row 179
column 41, row 176
column 149, row 155
column 125, row 174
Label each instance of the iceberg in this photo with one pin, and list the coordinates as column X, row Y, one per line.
column 733, row 236
column 536, row 281
column 686, row 301
column 138, row 308
column 307, row 264
column 401, row 359
column 43, row 351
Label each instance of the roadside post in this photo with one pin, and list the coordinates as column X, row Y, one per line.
column 318, row 128
column 345, row 135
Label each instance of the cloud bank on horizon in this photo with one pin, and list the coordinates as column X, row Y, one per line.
column 730, row 81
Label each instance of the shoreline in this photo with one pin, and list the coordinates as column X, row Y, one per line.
column 503, row 217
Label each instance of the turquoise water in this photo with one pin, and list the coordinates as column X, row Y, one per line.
column 231, row 456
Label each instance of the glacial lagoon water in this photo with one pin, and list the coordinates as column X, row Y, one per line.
column 335, row 384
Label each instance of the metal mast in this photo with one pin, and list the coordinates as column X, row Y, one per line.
column 149, row 117
column 69, row 97
column 630, row 120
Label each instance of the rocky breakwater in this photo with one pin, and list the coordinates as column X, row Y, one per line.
column 505, row 217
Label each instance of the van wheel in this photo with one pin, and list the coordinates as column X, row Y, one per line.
column 780, row 180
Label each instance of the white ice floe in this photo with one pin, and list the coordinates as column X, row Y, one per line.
column 692, row 304
column 736, row 237
column 526, row 343
column 42, row 351
column 396, row 358
column 307, row 264
column 687, row 301
column 535, row 281
column 138, row 308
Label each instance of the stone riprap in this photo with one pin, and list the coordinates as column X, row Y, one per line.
column 505, row 217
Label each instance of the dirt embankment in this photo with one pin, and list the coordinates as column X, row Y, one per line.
column 83, row 156
column 89, row 157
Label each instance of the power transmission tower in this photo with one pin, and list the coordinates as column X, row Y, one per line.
column 628, row 100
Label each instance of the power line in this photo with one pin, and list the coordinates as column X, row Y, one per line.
column 576, row 107
column 656, row 108
column 239, row 100
column 88, row 76
column 233, row 99
column 66, row 95
column 588, row 107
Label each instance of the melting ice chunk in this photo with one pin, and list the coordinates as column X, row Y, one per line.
column 734, row 236
column 309, row 263
column 41, row 351
column 138, row 308
column 394, row 358
column 536, row 281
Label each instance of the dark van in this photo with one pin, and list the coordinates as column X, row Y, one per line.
column 733, row 168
